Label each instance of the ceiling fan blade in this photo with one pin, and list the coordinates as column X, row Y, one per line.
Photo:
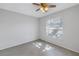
column 36, row 4
column 38, row 9
column 52, row 6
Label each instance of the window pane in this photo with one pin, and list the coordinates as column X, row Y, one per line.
column 54, row 27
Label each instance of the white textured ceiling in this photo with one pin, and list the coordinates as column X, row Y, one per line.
column 29, row 9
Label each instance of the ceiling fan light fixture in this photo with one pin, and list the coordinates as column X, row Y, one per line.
column 44, row 9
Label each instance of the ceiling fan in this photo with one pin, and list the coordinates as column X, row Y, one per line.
column 43, row 6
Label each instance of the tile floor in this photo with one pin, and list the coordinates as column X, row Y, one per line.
column 37, row 48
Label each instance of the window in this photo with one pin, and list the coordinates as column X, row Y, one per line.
column 54, row 27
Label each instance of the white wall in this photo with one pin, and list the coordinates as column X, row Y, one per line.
column 70, row 39
column 16, row 29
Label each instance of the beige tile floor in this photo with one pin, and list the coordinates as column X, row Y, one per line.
column 37, row 48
